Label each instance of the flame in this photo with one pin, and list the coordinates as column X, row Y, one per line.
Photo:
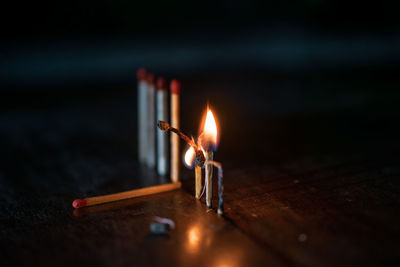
column 209, row 136
column 189, row 157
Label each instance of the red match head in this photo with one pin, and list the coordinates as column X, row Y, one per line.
column 141, row 74
column 79, row 203
column 175, row 87
column 161, row 84
column 150, row 78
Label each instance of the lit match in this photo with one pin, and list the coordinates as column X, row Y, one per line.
column 201, row 154
column 199, row 158
column 208, row 141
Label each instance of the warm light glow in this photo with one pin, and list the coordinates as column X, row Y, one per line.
column 210, row 127
column 209, row 135
column 231, row 256
column 194, row 236
column 227, row 261
column 189, row 157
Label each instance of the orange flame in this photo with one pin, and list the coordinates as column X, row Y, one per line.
column 209, row 136
column 189, row 157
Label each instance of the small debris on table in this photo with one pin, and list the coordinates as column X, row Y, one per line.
column 161, row 225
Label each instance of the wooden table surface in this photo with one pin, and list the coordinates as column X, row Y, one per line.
column 308, row 188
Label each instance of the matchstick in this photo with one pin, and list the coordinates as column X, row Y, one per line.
column 142, row 114
column 151, row 122
column 199, row 159
column 208, row 140
column 162, row 113
column 80, row 203
column 209, row 171
column 175, row 160
column 220, row 186
column 198, row 182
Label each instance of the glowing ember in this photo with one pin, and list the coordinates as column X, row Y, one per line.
column 189, row 157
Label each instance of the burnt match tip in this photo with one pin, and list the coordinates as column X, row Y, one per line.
column 200, row 159
column 161, row 84
column 141, row 74
column 220, row 211
column 150, row 78
column 164, row 126
column 79, row 203
column 175, row 87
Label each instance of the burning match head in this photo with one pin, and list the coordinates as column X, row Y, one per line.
column 161, row 84
column 150, row 78
column 200, row 159
column 175, row 87
column 195, row 157
column 141, row 74
column 79, row 203
column 208, row 139
column 164, row 126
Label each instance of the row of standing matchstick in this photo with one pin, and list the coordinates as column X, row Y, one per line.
column 153, row 106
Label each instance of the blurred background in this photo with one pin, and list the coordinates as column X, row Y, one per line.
column 322, row 67
column 50, row 50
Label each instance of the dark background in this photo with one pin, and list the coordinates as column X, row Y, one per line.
column 251, row 61
column 94, row 43
column 307, row 97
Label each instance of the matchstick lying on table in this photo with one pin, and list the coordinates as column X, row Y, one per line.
column 80, row 203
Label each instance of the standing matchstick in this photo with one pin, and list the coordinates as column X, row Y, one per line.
column 191, row 157
column 198, row 183
column 162, row 113
column 175, row 92
column 209, row 172
column 220, row 186
column 151, row 122
column 142, row 114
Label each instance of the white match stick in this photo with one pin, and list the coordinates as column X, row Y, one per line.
column 162, row 114
column 151, row 122
column 175, row 160
column 142, row 114
column 209, row 172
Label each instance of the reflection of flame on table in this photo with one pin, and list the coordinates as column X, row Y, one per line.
column 231, row 259
column 193, row 239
